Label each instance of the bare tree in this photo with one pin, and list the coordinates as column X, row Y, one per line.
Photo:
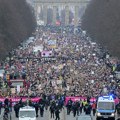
column 102, row 22
column 17, row 22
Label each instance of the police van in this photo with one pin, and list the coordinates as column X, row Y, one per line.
column 105, row 108
column 27, row 113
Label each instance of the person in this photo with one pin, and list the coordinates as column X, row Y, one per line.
column 74, row 108
column 27, row 102
column 6, row 109
column 41, row 109
column 88, row 109
column 52, row 110
column 81, row 107
column 30, row 103
column 118, row 108
column 0, row 106
column 36, row 108
column 85, row 105
column 46, row 103
column 94, row 108
column 69, row 106
column 10, row 105
column 57, row 114
column 5, row 116
column 20, row 102
column 78, row 107
column 16, row 109
column 61, row 103
column 6, row 101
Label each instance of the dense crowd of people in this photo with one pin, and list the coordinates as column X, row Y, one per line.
column 75, row 66
column 79, row 66
column 54, row 105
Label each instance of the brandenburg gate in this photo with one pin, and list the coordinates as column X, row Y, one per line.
column 43, row 5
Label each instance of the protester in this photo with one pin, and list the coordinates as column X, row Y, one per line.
column 41, row 109
column 69, row 106
column 6, row 102
column 57, row 112
column 118, row 108
column 54, row 64
column 16, row 109
column 94, row 106
column 52, row 109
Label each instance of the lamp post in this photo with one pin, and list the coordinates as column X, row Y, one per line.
column 10, row 59
column 27, row 61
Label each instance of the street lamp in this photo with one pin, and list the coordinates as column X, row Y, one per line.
column 10, row 59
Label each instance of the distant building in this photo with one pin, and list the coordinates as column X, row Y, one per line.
column 31, row 2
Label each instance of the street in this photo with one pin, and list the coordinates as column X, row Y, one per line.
column 59, row 55
column 63, row 116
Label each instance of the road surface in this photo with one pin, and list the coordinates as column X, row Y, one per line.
column 63, row 116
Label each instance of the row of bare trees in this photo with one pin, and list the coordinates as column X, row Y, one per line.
column 17, row 22
column 102, row 22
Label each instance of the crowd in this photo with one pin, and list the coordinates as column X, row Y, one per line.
column 59, row 62
column 54, row 105
column 76, row 66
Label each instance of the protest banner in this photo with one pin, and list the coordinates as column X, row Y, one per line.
column 52, row 43
column 46, row 53
column 17, row 99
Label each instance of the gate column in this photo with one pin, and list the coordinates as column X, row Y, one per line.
column 66, row 15
column 76, row 19
column 45, row 14
column 54, row 15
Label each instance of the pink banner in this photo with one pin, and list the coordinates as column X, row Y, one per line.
column 78, row 99
column 74, row 99
column 46, row 53
column 14, row 100
column 117, row 100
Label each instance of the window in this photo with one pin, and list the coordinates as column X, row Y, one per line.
column 106, row 106
column 30, row 114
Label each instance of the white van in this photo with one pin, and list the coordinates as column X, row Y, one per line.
column 105, row 108
column 27, row 113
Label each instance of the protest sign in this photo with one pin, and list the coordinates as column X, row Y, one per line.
column 46, row 53
column 52, row 43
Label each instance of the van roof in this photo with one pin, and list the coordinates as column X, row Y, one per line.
column 27, row 108
column 106, row 99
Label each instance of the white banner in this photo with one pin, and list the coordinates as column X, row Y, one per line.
column 18, row 88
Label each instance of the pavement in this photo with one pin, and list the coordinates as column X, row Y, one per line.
column 45, row 117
